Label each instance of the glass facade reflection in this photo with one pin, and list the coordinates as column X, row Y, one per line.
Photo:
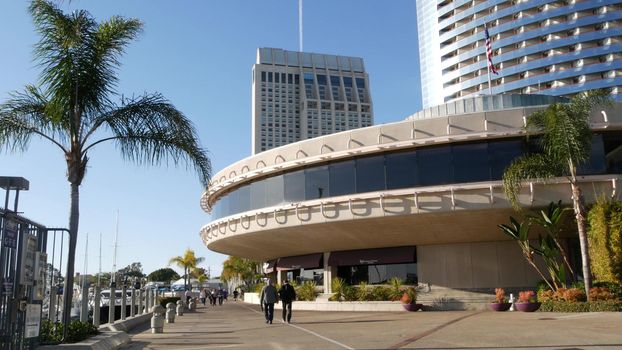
column 378, row 274
column 424, row 166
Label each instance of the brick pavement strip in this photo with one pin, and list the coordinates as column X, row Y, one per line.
column 237, row 325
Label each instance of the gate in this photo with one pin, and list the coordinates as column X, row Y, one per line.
column 25, row 286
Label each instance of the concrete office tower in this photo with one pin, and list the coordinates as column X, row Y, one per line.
column 301, row 95
column 544, row 47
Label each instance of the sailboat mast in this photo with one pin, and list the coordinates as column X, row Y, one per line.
column 114, row 258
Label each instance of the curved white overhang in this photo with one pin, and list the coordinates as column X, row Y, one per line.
column 416, row 216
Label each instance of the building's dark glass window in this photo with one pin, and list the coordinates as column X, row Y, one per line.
column 297, row 78
column 613, row 152
column 263, row 76
column 471, row 162
column 378, row 274
column 347, row 81
column 269, row 77
column 401, row 170
column 275, row 190
column 360, row 83
column 258, row 194
column 316, row 182
column 290, row 78
column 341, row 179
column 294, row 186
column 276, row 77
column 321, row 79
column 334, row 80
column 243, row 198
column 501, row 155
column 370, row 174
column 434, row 166
column 596, row 163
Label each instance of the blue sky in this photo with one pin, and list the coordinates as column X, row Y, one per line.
column 199, row 55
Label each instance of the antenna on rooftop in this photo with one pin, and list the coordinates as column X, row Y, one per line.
column 300, row 24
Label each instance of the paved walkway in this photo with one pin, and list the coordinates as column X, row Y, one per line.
column 237, row 325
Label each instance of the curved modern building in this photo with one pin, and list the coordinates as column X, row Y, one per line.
column 539, row 46
column 419, row 199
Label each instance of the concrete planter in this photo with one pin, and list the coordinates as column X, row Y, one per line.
column 500, row 306
column 527, row 307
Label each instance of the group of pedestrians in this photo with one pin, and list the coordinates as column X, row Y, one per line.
column 215, row 296
column 270, row 296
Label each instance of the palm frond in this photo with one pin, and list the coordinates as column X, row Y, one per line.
column 534, row 167
column 26, row 114
column 150, row 130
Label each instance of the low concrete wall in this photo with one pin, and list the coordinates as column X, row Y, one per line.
column 325, row 305
column 112, row 336
column 103, row 341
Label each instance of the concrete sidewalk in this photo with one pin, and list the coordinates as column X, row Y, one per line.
column 237, row 325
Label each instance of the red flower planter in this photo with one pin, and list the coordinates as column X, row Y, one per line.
column 500, row 306
column 527, row 307
column 412, row 307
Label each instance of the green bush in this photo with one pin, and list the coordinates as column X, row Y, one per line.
column 605, row 235
column 363, row 293
column 349, row 293
column 338, row 286
column 592, row 306
column 382, row 293
column 613, row 287
column 165, row 300
column 396, row 288
column 77, row 331
column 306, row 291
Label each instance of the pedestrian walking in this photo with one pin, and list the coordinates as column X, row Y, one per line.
column 287, row 294
column 213, row 297
column 188, row 296
column 203, row 296
column 235, row 295
column 268, row 298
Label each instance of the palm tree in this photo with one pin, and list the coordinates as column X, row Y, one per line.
column 238, row 269
column 73, row 106
column 188, row 262
column 565, row 140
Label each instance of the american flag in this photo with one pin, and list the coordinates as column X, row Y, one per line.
column 489, row 52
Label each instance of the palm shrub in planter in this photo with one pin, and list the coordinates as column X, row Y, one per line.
column 501, row 302
column 527, row 301
column 409, row 299
column 306, row 291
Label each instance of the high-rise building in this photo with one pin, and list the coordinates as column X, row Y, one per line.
column 545, row 47
column 301, row 95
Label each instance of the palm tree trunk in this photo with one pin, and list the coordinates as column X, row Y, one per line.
column 579, row 211
column 74, row 215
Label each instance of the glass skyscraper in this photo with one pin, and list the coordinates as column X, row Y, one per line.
column 301, row 95
column 539, row 46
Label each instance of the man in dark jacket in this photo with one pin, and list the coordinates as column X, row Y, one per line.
column 287, row 294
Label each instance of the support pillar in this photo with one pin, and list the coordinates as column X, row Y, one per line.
column 133, row 303
column 328, row 274
column 84, row 303
column 140, row 302
column 112, row 304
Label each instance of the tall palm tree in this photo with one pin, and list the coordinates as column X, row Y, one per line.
column 73, row 106
column 188, row 262
column 565, row 141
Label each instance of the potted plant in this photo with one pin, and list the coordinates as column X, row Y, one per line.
column 501, row 302
column 527, row 301
column 409, row 300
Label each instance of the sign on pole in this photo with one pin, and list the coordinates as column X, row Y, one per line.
column 33, row 320
column 9, row 238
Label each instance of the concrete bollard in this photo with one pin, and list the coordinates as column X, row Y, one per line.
column 170, row 313
column 193, row 304
column 112, row 303
column 157, row 320
column 133, row 303
column 180, row 308
column 123, row 302
column 140, row 302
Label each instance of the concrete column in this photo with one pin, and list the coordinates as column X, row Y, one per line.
column 96, row 305
column 123, row 302
column 140, row 302
column 155, row 297
column 147, row 300
column 112, row 304
column 328, row 276
column 133, row 302
column 279, row 277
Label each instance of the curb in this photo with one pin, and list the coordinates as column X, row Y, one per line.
column 103, row 341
